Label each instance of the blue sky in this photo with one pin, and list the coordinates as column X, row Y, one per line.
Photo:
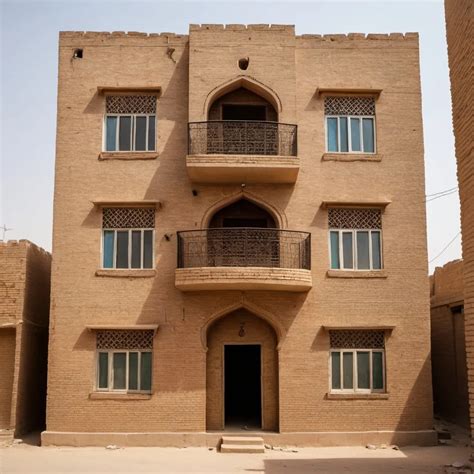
column 29, row 35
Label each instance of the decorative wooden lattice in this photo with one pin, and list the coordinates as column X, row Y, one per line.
column 123, row 339
column 130, row 104
column 349, row 105
column 128, row 218
column 342, row 218
column 357, row 339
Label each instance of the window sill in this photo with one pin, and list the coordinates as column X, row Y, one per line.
column 351, row 157
column 151, row 273
column 356, row 274
column 128, row 155
column 119, row 396
column 357, row 396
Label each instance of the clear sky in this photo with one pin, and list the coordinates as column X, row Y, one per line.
column 29, row 36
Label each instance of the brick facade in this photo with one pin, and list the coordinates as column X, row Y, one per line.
column 287, row 71
column 24, row 317
column 459, row 36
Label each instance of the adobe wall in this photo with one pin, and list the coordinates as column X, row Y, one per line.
column 291, row 69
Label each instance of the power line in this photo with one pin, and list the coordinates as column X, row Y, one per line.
column 441, row 195
column 442, row 192
column 446, row 247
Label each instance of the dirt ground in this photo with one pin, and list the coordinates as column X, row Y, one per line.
column 28, row 459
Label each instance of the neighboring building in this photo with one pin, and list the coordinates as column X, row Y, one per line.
column 448, row 351
column 239, row 239
column 459, row 29
column 25, row 271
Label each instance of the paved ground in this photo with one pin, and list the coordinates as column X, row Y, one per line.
column 27, row 459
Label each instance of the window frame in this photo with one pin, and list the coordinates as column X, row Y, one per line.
column 132, row 133
column 349, row 134
column 354, row 250
column 110, row 368
column 355, row 380
column 142, row 248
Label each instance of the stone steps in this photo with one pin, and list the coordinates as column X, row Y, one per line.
column 242, row 444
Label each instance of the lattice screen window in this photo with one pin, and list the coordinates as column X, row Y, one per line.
column 355, row 238
column 130, row 123
column 128, row 237
column 357, row 362
column 124, row 360
column 350, row 124
column 357, row 339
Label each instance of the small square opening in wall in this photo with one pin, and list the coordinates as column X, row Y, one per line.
column 78, row 53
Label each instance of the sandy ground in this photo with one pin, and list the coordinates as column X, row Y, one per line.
column 28, row 459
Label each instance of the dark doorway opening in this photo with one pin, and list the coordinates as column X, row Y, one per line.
column 242, row 385
column 244, row 112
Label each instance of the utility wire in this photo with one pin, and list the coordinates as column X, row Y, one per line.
column 441, row 195
column 446, row 247
column 442, row 192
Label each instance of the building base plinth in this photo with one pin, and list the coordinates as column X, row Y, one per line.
column 213, row 438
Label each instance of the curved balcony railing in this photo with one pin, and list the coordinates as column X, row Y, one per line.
column 240, row 137
column 244, row 247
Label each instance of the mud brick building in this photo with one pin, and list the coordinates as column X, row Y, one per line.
column 24, row 316
column 459, row 14
column 239, row 239
column 448, row 349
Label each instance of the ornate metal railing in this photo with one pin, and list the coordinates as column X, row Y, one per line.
column 239, row 137
column 244, row 247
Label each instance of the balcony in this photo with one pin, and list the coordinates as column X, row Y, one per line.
column 242, row 151
column 244, row 259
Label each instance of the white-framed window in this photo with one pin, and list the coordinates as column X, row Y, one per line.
column 357, row 361
column 124, row 360
column 124, row 371
column 350, row 124
column 130, row 123
column 128, row 237
column 355, row 239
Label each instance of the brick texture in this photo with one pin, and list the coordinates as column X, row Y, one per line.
column 460, row 39
column 287, row 70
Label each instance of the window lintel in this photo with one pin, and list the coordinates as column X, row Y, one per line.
column 117, row 327
column 382, row 203
column 359, row 328
column 103, row 90
column 321, row 91
column 100, row 203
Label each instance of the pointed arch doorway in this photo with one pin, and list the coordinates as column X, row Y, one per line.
column 242, row 373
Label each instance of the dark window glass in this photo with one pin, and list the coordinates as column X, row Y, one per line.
column 368, row 133
column 145, row 371
column 151, row 132
column 147, row 249
column 119, row 362
column 108, row 254
column 122, row 249
column 335, row 250
column 336, row 370
column 376, row 254
column 136, row 248
column 140, row 133
column 332, row 134
column 125, row 130
column 344, row 134
column 347, row 250
column 377, row 370
column 347, row 369
column 363, row 370
column 111, row 134
column 363, row 250
column 355, row 134
column 103, row 370
column 133, row 371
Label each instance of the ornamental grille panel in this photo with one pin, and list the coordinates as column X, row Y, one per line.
column 130, row 104
column 341, row 218
column 124, row 339
column 240, row 137
column 356, row 339
column 349, row 105
column 128, row 218
column 244, row 247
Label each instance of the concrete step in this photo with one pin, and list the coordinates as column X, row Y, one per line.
column 242, row 448
column 247, row 440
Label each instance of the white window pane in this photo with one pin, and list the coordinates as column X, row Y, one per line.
column 119, row 364
column 355, row 134
column 344, row 134
column 108, row 250
column 347, row 250
column 334, row 237
column 110, row 133
column 363, row 370
column 363, row 250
